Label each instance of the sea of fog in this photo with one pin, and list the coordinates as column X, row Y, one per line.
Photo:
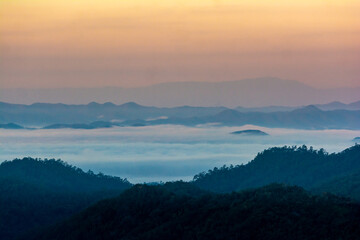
column 160, row 153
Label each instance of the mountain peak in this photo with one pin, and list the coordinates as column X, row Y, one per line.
column 131, row 105
column 308, row 109
column 355, row 104
column 94, row 104
column 109, row 104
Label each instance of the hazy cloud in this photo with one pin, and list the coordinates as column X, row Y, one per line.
column 159, row 152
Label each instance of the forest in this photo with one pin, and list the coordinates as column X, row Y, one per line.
column 272, row 212
column 284, row 193
column 37, row 193
column 302, row 166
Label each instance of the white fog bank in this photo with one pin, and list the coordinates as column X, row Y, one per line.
column 160, row 153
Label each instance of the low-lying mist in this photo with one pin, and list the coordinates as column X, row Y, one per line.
column 160, row 153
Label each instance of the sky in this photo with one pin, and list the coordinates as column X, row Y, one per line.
column 88, row 43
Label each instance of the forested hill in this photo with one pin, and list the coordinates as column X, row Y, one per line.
column 36, row 193
column 300, row 166
column 348, row 186
column 153, row 212
column 56, row 174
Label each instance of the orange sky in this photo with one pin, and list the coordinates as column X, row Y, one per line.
column 88, row 43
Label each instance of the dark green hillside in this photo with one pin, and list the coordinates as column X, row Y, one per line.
column 43, row 199
column 300, row 166
column 274, row 212
column 24, row 207
column 37, row 193
column 57, row 175
column 348, row 186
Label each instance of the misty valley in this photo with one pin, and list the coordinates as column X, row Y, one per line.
column 106, row 171
column 179, row 120
column 161, row 153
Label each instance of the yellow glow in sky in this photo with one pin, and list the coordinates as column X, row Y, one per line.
column 88, row 43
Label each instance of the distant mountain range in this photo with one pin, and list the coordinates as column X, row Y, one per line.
column 248, row 93
column 325, row 107
column 309, row 117
column 95, row 115
column 41, row 114
column 11, row 126
column 92, row 125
